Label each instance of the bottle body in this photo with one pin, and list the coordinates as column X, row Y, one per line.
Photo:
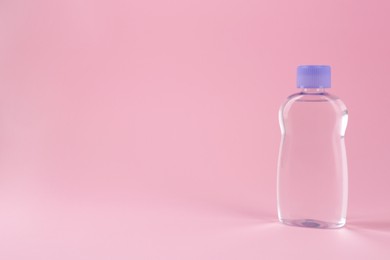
column 312, row 184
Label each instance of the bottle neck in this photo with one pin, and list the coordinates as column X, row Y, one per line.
column 313, row 90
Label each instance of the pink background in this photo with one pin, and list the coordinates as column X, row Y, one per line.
column 148, row 129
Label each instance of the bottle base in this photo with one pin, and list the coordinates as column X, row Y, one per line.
column 312, row 223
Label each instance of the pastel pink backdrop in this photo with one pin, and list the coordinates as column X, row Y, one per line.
column 148, row 129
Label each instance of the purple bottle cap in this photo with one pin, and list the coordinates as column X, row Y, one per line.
column 313, row 76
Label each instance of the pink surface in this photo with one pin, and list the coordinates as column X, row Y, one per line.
column 148, row 129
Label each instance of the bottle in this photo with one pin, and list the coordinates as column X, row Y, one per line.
column 312, row 183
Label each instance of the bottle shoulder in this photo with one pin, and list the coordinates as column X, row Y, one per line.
column 313, row 99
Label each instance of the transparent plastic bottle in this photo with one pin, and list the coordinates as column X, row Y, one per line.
column 312, row 184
